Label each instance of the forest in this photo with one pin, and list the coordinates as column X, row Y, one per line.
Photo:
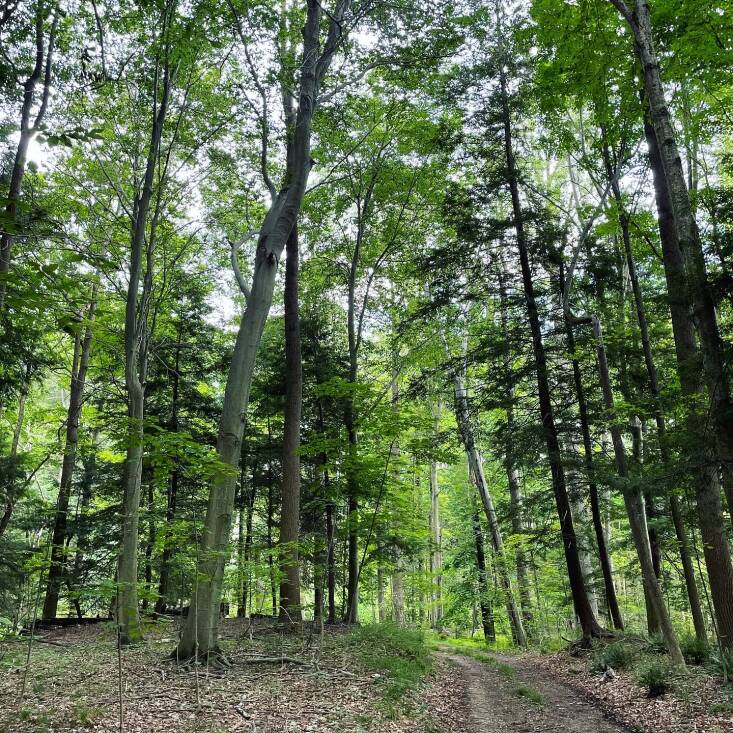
column 366, row 365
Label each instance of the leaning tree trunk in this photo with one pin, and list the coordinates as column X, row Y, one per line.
column 595, row 504
column 635, row 508
column 659, row 418
column 477, row 472
column 290, row 610
column 581, row 603
column 200, row 634
column 687, row 281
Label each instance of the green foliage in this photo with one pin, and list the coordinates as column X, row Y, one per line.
column 615, row 655
column 696, row 651
column 721, row 663
column 655, row 676
column 528, row 693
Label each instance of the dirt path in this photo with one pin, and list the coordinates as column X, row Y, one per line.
column 501, row 700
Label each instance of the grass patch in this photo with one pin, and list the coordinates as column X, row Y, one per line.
column 398, row 657
column 529, row 694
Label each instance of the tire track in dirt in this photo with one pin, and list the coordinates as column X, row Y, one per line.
column 497, row 705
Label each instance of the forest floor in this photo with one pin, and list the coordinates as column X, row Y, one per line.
column 375, row 679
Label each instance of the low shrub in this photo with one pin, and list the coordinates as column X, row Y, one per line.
column 655, row 677
column 617, row 655
column 695, row 651
column 721, row 664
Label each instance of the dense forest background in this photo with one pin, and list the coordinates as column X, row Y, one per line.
column 377, row 311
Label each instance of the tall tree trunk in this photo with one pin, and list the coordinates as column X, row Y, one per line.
column 510, row 463
column 707, row 488
column 136, row 338
column 687, row 285
column 173, row 483
column 635, row 507
column 200, row 635
column 436, row 548
column 595, row 504
column 477, row 473
column 659, row 418
column 290, row 610
column 583, row 609
column 79, row 368
column 487, row 611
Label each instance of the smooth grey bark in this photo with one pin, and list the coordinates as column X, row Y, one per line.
column 79, row 368
column 200, row 633
column 477, row 472
column 688, row 284
column 136, row 340
column 290, row 609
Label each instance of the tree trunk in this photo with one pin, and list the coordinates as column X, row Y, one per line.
column 635, row 508
column 290, row 610
column 595, row 505
column 172, row 493
column 659, row 418
column 436, row 549
column 80, row 365
column 487, row 611
column 707, row 489
column 477, row 473
column 200, row 634
column 136, row 338
column 583, row 609
column 510, row 465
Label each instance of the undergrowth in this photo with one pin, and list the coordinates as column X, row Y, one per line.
column 398, row 655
